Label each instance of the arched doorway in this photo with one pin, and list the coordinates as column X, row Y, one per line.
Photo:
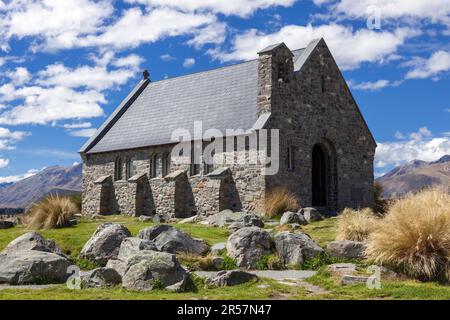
column 319, row 176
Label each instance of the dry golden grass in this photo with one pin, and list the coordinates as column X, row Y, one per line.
column 355, row 225
column 415, row 235
column 52, row 212
column 279, row 201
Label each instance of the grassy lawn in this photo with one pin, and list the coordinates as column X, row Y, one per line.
column 73, row 239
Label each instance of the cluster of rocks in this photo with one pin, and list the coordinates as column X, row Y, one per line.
column 234, row 221
column 248, row 245
column 146, row 261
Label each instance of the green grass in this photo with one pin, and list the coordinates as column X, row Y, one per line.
column 73, row 239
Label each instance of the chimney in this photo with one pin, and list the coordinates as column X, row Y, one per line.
column 146, row 75
column 275, row 69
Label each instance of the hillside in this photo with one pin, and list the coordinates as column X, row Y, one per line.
column 55, row 179
column 414, row 176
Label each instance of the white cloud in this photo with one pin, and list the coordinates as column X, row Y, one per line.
column 9, row 138
column 399, row 135
column 235, row 7
column 167, row 57
column 420, row 146
column 375, row 86
column 79, row 125
column 350, row 48
column 56, row 23
column 43, row 105
column 437, row 11
column 19, row 76
column 3, row 162
column 146, row 28
column 438, row 63
column 60, row 93
column 189, row 62
column 212, row 34
column 87, row 133
column 19, row 177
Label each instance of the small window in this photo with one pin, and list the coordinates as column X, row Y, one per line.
column 322, row 83
column 118, row 169
column 129, row 168
column 195, row 166
column 166, row 164
column 290, row 158
column 155, row 165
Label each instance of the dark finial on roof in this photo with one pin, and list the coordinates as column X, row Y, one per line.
column 145, row 74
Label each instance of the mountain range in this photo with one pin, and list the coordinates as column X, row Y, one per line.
column 15, row 197
column 51, row 180
column 414, row 176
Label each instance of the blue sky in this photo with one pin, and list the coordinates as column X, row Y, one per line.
column 66, row 65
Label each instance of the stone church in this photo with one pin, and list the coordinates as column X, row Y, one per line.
column 325, row 149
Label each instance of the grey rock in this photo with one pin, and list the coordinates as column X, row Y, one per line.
column 100, row 278
column 248, row 245
column 4, row 224
column 217, row 262
column 342, row 268
column 231, row 278
column 193, row 219
column 350, row 279
column 217, row 247
column 293, row 248
column 346, row 249
column 187, row 284
column 311, row 214
column 33, row 241
column 290, row 217
column 105, row 243
column 131, row 246
column 145, row 219
column 169, row 239
column 119, row 265
column 32, row 267
column 242, row 219
column 148, row 268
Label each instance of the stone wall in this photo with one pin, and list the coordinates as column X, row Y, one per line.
column 308, row 114
column 242, row 189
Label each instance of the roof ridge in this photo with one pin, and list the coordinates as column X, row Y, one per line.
column 213, row 69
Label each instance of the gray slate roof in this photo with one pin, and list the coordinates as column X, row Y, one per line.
column 223, row 98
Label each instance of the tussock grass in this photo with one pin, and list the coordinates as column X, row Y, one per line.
column 415, row 235
column 279, row 201
column 355, row 225
column 52, row 212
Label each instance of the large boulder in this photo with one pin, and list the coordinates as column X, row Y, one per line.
column 148, row 270
column 33, row 267
column 32, row 241
column 100, row 278
column 131, row 246
column 290, row 217
column 311, row 214
column 248, row 245
column 237, row 219
column 119, row 265
column 167, row 238
column 293, row 248
column 105, row 243
column 231, row 278
column 346, row 249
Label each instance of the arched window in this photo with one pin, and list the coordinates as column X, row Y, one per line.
column 129, row 168
column 166, row 164
column 195, row 164
column 118, row 169
column 155, row 165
